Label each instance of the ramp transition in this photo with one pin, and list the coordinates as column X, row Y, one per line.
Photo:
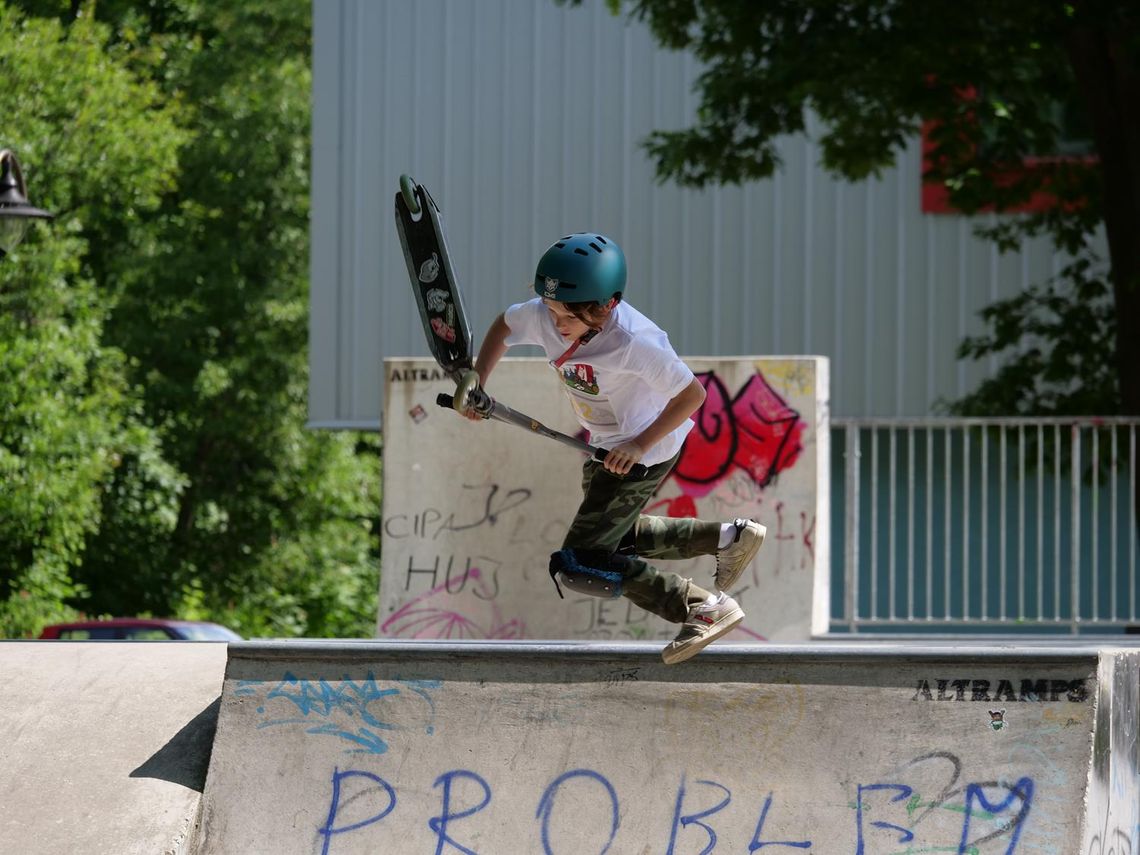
column 507, row 748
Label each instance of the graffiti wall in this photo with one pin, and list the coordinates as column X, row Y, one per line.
column 473, row 510
column 398, row 747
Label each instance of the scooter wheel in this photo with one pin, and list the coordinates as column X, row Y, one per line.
column 408, row 189
column 467, row 384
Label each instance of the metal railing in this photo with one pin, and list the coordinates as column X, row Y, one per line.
column 989, row 525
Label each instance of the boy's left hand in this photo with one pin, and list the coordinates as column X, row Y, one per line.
column 621, row 459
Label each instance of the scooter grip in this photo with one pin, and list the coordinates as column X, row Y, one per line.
column 445, row 400
column 638, row 470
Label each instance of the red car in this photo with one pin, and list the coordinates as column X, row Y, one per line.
column 139, row 629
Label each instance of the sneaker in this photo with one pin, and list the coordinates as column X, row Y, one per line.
column 731, row 561
column 706, row 622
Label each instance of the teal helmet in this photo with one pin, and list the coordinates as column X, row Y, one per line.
column 580, row 268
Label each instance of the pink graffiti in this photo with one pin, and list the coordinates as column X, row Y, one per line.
column 756, row 432
column 423, row 618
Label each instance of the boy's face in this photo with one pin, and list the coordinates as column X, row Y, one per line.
column 569, row 327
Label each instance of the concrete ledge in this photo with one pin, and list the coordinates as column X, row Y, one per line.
column 506, row 746
column 650, row 653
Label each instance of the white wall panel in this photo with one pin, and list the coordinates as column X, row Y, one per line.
column 472, row 512
column 524, row 119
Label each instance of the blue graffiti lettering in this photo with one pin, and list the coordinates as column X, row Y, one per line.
column 439, row 824
column 343, row 699
column 329, row 828
column 546, row 806
column 694, row 819
column 1022, row 791
column 902, row 792
column 990, row 810
column 756, row 843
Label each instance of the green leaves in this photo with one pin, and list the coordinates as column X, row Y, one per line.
column 95, row 142
column 156, row 381
column 1000, row 86
column 273, row 515
column 1052, row 339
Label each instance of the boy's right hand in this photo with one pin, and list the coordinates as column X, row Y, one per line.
column 466, row 388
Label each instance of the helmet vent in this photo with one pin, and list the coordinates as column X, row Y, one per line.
column 595, row 247
column 581, row 251
column 600, row 239
column 560, row 245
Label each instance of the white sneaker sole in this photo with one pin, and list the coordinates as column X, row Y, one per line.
column 674, row 653
column 726, row 583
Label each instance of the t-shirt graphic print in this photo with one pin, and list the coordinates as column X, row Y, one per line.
column 580, row 377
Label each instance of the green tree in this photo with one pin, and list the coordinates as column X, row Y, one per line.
column 276, row 531
column 273, row 529
column 991, row 76
column 91, row 138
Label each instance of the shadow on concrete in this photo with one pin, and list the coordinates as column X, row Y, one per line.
column 186, row 757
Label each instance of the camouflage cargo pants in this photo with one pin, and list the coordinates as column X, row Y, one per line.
column 611, row 509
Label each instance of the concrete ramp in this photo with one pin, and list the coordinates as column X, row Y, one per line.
column 104, row 746
column 506, row 748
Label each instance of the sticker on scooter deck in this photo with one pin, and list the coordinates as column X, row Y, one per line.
column 420, row 226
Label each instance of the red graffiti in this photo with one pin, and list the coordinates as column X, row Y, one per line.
column 678, row 506
column 808, row 537
column 756, row 432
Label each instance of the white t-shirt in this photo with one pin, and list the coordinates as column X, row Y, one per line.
column 618, row 382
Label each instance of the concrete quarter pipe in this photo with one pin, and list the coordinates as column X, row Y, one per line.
column 501, row 748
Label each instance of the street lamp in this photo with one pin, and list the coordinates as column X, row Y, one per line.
column 15, row 212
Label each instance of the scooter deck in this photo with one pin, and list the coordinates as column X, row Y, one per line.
column 433, row 279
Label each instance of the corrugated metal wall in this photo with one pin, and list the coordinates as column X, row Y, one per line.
column 523, row 118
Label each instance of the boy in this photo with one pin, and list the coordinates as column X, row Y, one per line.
column 635, row 396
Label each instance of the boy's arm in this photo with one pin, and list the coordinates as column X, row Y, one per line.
column 682, row 405
column 492, row 350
